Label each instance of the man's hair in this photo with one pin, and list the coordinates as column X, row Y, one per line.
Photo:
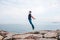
column 30, row 11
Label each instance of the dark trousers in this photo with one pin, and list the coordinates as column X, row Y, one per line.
column 31, row 24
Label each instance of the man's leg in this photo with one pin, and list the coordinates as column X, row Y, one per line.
column 31, row 24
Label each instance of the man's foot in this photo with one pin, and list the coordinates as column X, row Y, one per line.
column 33, row 28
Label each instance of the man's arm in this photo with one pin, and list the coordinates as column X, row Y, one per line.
column 32, row 17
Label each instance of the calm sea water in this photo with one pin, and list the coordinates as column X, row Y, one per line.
column 18, row 28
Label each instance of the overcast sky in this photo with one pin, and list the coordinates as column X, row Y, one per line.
column 16, row 11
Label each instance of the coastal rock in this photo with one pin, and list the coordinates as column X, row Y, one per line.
column 23, row 39
column 1, row 37
column 20, row 36
column 26, row 36
column 8, row 36
column 43, row 31
column 50, row 35
column 31, row 37
column 46, row 39
column 37, row 35
column 3, row 33
column 36, row 32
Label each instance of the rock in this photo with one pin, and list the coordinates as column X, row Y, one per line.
column 25, row 36
column 37, row 39
column 24, row 39
column 34, row 35
column 31, row 37
column 18, row 36
column 50, row 35
column 46, row 39
column 36, row 32
column 8, row 36
column 44, row 31
column 37, row 35
column 21, row 36
column 3, row 33
column 1, row 37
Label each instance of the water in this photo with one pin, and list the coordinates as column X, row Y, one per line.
column 18, row 28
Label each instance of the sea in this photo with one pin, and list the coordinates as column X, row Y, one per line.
column 21, row 28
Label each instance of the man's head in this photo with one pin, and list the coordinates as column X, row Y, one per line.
column 30, row 12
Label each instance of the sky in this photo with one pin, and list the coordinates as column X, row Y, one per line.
column 16, row 11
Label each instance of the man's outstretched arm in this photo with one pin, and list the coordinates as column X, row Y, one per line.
column 32, row 17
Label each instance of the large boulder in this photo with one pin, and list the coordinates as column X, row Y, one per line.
column 23, row 36
column 3, row 33
column 44, row 31
column 20, row 36
column 51, row 35
column 38, row 35
column 23, row 39
column 8, row 36
column 1, row 37
column 31, row 37
column 35, row 32
column 46, row 39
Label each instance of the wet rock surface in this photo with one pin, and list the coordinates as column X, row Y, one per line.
column 37, row 35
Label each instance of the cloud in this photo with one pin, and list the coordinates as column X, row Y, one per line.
column 16, row 11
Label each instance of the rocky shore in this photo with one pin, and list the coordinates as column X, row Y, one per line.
column 36, row 35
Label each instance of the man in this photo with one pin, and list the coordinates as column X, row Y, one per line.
column 30, row 19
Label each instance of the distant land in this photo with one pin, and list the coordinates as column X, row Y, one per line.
column 55, row 22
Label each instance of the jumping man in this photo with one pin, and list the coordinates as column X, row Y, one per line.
column 30, row 19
